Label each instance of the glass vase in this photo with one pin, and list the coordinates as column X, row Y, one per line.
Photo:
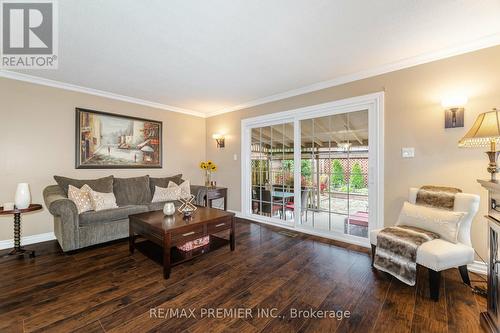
column 207, row 179
column 23, row 196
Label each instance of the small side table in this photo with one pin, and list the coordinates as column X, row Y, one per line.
column 214, row 193
column 18, row 250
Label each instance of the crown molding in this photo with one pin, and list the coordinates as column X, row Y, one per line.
column 481, row 43
column 95, row 92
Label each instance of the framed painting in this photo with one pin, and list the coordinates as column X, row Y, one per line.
column 111, row 141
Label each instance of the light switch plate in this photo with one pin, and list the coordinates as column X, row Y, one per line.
column 235, row 157
column 407, row 152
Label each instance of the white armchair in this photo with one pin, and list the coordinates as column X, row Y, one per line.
column 438, row 255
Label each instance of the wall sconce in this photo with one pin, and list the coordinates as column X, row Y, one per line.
column 454, row 113
column 219, row 138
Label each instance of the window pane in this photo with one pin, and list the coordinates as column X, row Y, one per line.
column 272, row 171
column 334, row 154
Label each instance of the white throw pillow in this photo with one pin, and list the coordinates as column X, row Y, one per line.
column 185, row 188
column 166, row 194
column 102, row 201
column 443, row 222
column 81, row 198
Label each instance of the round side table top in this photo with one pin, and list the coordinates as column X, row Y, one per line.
column 31, row 208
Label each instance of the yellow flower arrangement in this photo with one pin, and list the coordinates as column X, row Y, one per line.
column 209, row 167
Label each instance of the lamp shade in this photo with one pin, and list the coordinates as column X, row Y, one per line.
column 486, row 129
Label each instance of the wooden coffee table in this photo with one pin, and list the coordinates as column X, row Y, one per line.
column 169, row 232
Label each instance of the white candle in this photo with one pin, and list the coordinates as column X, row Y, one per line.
column 8, row 206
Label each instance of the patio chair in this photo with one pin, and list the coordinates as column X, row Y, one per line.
column 304, row 194
column 268, row 207
column 357, row 224
column 255, row 199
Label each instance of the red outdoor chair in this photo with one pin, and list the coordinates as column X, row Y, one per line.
column 290, row 206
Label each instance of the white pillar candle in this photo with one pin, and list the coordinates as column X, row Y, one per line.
column 8, row 206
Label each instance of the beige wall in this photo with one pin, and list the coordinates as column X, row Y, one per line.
column 413, row 118
column 37, row 134
column 37, row 130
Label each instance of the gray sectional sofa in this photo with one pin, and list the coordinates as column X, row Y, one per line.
column 133, row 195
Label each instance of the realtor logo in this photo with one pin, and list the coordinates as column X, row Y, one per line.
column 29, row 34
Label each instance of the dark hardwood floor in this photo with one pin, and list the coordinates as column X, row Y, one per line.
column 105, row 289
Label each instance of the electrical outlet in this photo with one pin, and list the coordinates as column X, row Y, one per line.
column 408, row 152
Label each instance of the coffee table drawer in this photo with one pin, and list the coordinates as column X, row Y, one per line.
column 219, row 226
column 188, row 235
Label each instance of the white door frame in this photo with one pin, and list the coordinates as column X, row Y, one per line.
column 374, row 103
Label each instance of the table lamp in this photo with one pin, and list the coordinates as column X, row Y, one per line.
column 485, row 132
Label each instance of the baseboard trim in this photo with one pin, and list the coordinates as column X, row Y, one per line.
column 26, row 240
column 353, row 241
column 237, row 213
column 478, row 267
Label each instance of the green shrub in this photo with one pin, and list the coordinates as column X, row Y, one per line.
column 337, row 174
column 306, row 168
column 357, row 180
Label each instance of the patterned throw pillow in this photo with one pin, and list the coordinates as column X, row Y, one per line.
column 102, row 201
column 185, row 188
column 81, row 198
column 166, row 194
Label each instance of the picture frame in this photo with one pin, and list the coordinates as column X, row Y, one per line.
column 112, row 141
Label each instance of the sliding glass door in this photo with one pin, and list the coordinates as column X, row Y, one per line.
column 334, row 167
column 272, row 171
column 316, row 169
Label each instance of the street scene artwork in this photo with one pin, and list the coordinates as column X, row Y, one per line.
column 107, row 140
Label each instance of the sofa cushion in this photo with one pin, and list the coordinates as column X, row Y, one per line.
column 113, row 214
column 97, row 233
column 104, row 185
column 163, row 182
column 161, row 204
column 438, row 254
column 132, row 191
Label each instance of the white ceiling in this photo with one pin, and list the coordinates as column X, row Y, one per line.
column 215, row 55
